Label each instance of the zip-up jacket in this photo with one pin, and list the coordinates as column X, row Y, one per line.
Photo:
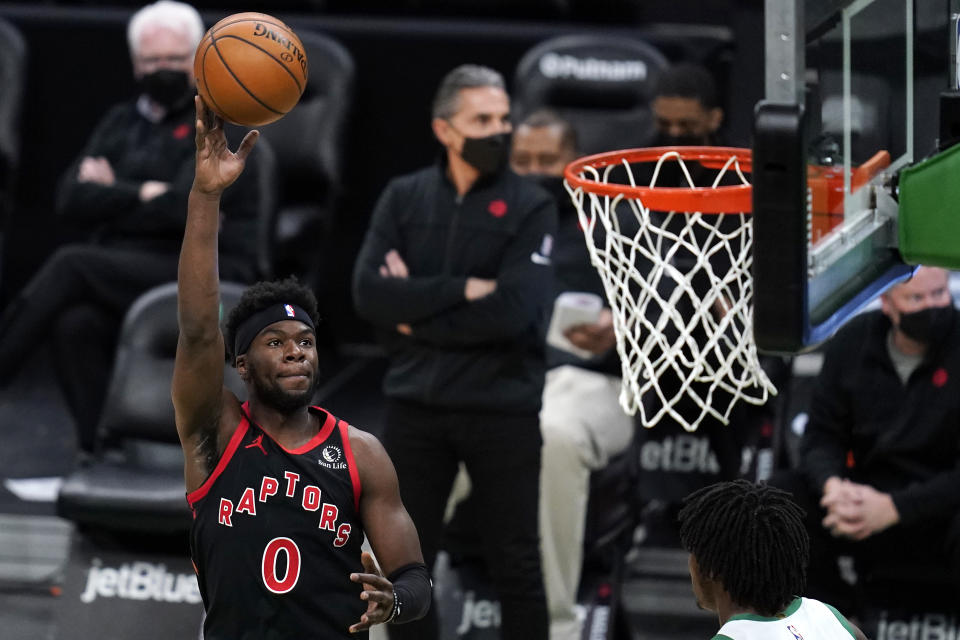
column 904, row 438
column 485, row 354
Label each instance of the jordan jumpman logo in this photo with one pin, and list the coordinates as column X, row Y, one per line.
column 257, row 442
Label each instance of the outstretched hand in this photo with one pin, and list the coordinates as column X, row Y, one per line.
column 377, row 591
column 217, row 166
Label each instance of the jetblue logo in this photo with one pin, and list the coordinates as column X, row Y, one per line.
column 140, row 581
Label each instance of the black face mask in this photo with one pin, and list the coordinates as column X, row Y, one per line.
column 928, row 326
column 167, row 87
column 553, row 185
column 486, row 155
column 667, row 140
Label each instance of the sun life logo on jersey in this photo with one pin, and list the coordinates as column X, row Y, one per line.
column 332, row 458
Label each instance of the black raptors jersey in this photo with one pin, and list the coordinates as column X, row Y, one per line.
column 276, row 534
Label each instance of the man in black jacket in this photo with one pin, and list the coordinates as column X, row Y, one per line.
column 881, row 452
column 128, row 190
column 455, row 273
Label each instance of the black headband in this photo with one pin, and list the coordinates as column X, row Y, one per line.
column 260, row 320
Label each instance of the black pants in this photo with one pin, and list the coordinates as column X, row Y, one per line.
column 76, row 301
column 502, row 456
column 918, row 550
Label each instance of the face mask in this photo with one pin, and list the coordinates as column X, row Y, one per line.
column 667, row 140
column 928, row 326
column 552, row 184
column 486, row 155
column 167, row 87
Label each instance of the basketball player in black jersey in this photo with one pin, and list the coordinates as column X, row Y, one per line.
column 282, row 493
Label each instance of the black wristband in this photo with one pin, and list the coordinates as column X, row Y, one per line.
column 412, row 592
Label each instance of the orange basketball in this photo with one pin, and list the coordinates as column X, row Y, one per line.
column 251, row 69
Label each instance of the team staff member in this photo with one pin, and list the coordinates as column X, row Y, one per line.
column 282, row 493
column 454, row 272
column 127, row 194
column 881, row 453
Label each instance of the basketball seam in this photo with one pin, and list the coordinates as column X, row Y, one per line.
column 215, row 105
column 243, row 86
column 273, row 24
column 227, row 24
column 270, row 55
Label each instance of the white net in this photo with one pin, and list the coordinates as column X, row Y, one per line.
column 679, row 287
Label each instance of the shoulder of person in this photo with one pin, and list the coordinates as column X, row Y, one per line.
column 120, row 111
column 865, row 326
column 363, row 443
column 414, row 180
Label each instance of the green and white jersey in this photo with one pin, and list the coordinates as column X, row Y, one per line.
column 804, row 619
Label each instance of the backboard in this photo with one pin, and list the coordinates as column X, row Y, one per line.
column 851, row 98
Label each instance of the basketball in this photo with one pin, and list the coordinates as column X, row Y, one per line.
column 251, row 69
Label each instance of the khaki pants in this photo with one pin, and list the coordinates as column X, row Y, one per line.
column 582, row 426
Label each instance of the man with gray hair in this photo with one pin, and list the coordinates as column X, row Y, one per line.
column 128, row 191
column 455, row 274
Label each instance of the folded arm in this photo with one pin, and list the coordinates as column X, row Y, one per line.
column 386, row 300
column 523, row 292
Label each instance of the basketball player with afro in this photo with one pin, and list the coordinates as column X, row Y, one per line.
column 282, row 493
column 748, row 560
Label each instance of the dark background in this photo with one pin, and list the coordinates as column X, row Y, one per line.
column 79, row 65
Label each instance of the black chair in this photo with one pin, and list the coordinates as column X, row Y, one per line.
column 267, row 218
column 134, row 482
column 309, row 144
column 13, row 62
column 602, row 84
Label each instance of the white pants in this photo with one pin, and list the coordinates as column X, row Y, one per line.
column 583, row 426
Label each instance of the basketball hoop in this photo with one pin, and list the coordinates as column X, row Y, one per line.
column 675, row 265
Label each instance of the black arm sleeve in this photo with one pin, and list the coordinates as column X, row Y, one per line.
column 412, row 590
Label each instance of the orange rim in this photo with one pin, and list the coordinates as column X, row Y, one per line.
column 723, row 199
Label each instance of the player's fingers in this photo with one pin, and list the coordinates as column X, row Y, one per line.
column 363, row 625
column 373, row 579
column 246, row 146
column 369, row 564
column 200, row 125
column 376, row 600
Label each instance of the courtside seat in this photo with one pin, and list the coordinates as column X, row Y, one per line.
column 309, row 146
column 135, row 479
column 602, row 84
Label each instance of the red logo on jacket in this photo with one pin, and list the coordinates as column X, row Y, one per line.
column 940, row 377
column 497, row 208
column 181, row 131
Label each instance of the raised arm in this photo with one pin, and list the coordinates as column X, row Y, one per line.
column 198, row 393
column 393, row 538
